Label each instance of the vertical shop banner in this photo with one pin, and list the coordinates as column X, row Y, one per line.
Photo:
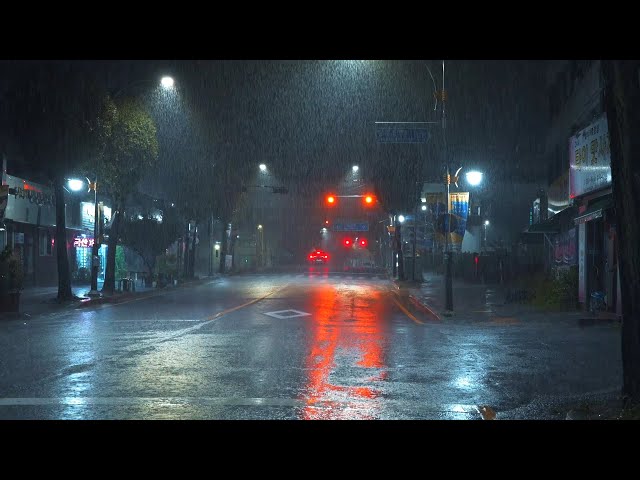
column 459, row 206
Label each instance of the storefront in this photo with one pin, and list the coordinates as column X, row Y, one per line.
column 590, row 190
column 27, row 225
column 83, row 240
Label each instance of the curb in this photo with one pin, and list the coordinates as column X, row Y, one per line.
column 424, row 307
column 123, row 297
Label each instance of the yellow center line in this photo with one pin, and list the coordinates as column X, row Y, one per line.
column 250, row 302
column 407, row 312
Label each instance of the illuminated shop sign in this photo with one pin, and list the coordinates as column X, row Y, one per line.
column 83, row 242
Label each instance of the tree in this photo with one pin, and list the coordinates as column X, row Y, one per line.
column 622, row 105
column 51, row 114
column 149, row 237
column 129, row 147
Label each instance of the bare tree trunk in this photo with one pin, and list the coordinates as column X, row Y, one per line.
column 186, row 250
column 622, row 104
column 224, row 246
column 64, row 277
column 192, row 257
column 109, row 285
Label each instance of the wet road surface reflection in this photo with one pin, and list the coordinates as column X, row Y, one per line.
column 346, row 353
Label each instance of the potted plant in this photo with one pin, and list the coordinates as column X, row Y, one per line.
column 11, row 280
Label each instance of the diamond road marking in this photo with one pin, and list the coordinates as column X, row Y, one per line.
column 287, row 314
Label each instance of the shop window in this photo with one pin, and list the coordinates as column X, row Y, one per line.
column 46, row 243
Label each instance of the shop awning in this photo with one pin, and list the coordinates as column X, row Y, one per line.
column 595, row 210
column 548, row 226
column 554, row 224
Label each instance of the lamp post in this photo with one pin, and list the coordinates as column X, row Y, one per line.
column 261, row 247
column 77, row 185
column 486, row 224
column 95, row 259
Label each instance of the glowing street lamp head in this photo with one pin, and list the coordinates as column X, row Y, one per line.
column 263, row 167
column 167, row 82
column 474, row 177
column 401, row 218
column 486, row 223
column 75, row 184
column 259, row 227
column 355, row 168
column 331, row 200
column 424, row 208
column 368, row 199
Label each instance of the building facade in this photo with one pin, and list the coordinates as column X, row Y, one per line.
column 575, row 214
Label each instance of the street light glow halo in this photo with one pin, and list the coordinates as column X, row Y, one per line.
column 75, row 184
column 167, row 82
column 474, row 177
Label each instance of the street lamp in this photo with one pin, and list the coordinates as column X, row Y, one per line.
column 261, row 249
column 263, row 167
column 75, row 185
column 401, row 218
column 167, row 82
column 486, row 224
column 474, row 178
column 355, row 168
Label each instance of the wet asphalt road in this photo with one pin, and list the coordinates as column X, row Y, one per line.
column 297, row 346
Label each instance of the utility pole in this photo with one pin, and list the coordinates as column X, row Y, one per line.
column 211, row 244
column 448, row 252
column 415, row 240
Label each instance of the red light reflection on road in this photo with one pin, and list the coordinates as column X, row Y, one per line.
column 347, row 333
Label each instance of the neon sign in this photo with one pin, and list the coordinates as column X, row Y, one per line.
column 83, row 242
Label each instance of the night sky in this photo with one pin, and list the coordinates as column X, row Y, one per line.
column 311, row 120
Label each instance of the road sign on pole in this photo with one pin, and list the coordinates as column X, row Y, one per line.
column 402, row 134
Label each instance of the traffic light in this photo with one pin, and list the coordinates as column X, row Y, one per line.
column 331, row 200
column 369, row 200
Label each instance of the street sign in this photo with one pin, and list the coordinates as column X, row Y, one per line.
column 402, row 135
column 350, row 227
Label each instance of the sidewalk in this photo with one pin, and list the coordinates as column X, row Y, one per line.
column 476, row 301
column 468, row 298
column 42, row 300
column 486, row 302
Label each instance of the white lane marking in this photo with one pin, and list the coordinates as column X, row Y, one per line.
column 246, row 401
column 282, row 314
